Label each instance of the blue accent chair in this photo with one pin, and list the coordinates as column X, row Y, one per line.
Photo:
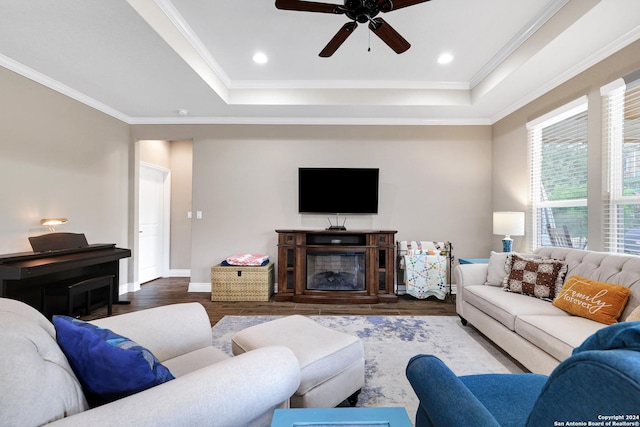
column 601, row 378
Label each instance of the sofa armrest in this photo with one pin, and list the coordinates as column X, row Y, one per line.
column 168, row 331
column 444, row 399
column 468, row 275
column 471, row 274
column 231, row 393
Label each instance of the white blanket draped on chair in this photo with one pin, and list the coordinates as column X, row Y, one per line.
column 426, row 275
column 425, row 268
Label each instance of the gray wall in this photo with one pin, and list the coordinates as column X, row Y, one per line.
column 60, row 158
column 181, row 195
column 434, row 183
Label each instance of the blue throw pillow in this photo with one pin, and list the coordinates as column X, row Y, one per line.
column 108, row 366
column 619, row 335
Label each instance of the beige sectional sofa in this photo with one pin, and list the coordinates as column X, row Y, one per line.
column 534, row 331
column 210, row 388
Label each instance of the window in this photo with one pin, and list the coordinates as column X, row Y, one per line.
column 558, row 188
column 621, row 140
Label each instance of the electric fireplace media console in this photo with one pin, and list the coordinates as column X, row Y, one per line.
column 335, row 266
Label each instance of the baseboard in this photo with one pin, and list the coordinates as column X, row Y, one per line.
column 199, row 287
column 180, row 272
column 128, row 287
column 401, row 289
column 206, row 287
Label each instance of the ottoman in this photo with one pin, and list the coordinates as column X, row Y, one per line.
column 331, row 362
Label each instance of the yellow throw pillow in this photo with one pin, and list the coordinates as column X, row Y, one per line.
column 599, row 301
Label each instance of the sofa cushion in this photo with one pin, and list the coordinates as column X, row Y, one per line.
column 109, row 366
column 599, row 301
column 498, row 269
column 505, row 306
column 613, row 337
column 535, row 277
column 34, row 372
column 619, row 269
column 634, row 315
column 556, row 335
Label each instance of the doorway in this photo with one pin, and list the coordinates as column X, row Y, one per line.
column 153, row 223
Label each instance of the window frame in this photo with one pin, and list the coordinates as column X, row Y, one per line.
column 613, row 117
column 534, row 131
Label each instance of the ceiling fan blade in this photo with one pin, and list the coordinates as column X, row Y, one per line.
column 337, row 40
column 389, row 5
column 388, row 35
column 309, row 6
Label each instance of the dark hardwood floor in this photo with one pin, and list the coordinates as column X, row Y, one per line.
column 174, row 290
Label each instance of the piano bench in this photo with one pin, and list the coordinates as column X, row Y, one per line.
column 72, row 287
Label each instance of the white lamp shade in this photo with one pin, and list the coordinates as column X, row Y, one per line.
column 508, row 223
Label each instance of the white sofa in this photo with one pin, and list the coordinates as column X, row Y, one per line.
column 533, row 331
column 210, row 388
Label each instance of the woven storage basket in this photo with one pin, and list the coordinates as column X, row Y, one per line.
column 240, row 283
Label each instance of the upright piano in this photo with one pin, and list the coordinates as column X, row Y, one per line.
column 23, row 274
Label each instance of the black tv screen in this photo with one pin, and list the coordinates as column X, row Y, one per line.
column 338, row 190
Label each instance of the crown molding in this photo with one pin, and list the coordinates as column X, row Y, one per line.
column 347, row 84
column 310, row 121
column 623, row 41
column 187, row 32
column 169, row 24
column 534, row 25
column 55, row 85
column 584, row 65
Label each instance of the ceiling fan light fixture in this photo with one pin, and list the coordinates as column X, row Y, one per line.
column 358, row 11
column 260, row 58
column 445, row 58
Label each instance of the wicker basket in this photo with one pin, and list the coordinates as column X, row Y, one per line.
column 240, row 283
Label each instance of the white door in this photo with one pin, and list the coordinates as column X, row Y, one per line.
column 151, row 223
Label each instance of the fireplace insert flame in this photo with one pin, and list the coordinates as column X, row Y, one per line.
column 336, row 271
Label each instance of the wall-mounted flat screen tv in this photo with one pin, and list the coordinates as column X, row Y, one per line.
column 338, row 190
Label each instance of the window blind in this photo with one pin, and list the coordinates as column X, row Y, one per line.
column 558, row 185
column 621, row 139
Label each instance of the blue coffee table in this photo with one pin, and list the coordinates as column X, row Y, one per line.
column 343, row 417
column 473, row 260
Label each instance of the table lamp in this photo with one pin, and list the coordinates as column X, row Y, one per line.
column 509, row 224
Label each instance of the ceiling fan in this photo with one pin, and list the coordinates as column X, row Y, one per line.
column 361, row 11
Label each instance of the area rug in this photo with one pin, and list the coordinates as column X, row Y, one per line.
column 389, row 343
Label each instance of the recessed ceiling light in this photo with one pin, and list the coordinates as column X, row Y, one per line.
column 445, row 58
column 260, row 58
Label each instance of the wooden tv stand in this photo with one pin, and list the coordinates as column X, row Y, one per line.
column 301, row 251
